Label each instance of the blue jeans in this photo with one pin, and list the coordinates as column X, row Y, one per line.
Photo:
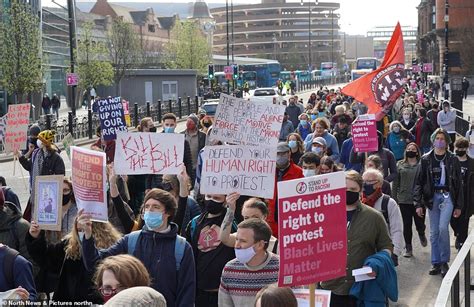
column 440, row 215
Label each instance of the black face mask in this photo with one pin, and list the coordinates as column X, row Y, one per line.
column 213, row 207
column 207, row 125
column 66, row 198
column 368, row 189
column 461, row 153
column 153, row 129
column 351, row 197
column 165, row 186
column 412, row 154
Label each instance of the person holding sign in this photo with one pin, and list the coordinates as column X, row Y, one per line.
column 253, row 268
column 367, row 234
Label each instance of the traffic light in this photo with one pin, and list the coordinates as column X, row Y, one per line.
column 210, row 71
column 236, row 72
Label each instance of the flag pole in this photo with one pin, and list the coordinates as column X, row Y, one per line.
column 312, row 295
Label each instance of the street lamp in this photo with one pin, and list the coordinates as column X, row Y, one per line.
column 309, row 32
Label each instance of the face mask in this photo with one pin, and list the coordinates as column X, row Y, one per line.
column 81, row 235
column 396, row 129
column 439, row 144
column 213, row 207
column 169, row 129
column 411, row 154
column 207, row 125
column 282, row 161
column 309, row 172
column 317, row 150
column 460, row 153
column 152, row 129
column 368, row 189
column 244, row 255
column 39, row 144
column 153, row 219
column 66, row 198
column 190, row 126
column 107, row 297
column 351, row 197
column 303, row 122
column 313, row 116
column 292, row 144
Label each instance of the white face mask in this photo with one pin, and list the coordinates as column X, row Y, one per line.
column 39, row 144
column 81, row 235
column 244, row 255
column 309, row 172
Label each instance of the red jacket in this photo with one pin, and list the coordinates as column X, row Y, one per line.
column 292, row 172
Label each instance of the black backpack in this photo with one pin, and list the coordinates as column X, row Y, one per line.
column 384, row 210
column 8, row 266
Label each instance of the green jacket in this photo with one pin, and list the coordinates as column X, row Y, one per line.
column 402, row 189
column 13, row 229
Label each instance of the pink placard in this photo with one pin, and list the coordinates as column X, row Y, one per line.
column 416, row 68
column 16, row 131
column 312, row 229
column 364, row 134
column 427, row 67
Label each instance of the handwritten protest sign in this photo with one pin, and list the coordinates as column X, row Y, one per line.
column 312, row 228
column 364, row 133
column 48, row 202
column 322, row 298
column 17, row 127
column 148, row 153
column 111, row 116
column 3, row 126
column 243, row 169
column 89, row 182
column 239, row 121
column 68, row 141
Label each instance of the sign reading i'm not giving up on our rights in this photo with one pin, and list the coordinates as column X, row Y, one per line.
column 312, row 228
column 239, row 121
column 112, row 118
column 364, row 133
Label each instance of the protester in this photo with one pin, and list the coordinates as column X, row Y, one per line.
column 287, row 128
column 432, row 115
column 321, row 129
column 438, row 187
column 9, row 194
column 210, row 253
column 460, row 225
column 69, row 208
column 397, row 139
column 372, row 196
column 403, row 195
column 16, row 273
column 253, row 268
column 327, row 166
column 341, row 131
column 195, row 138
column 447, row 121
column 407, row 120
column 56, row 104
column 119, row 212
column 304, row 126
column 157, row 240
column 367, row 233
column 206, row 123
column 137, row 296
column 310, row 163
column 465, row 87
column 422, row 131
column 61, row 263
column 293, row 111
column 46, row 104
column 295, row 142
column 319, row 147
column 272, row 295
column 104, row 146
column 374, row 161
column 346, row 149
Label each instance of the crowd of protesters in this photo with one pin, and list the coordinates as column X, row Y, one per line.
column 168, row 245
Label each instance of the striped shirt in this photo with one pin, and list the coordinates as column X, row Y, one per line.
column 240, row 283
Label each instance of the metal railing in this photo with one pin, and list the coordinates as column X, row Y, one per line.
column 320, row 81
column 463, row 122
column 450, row 287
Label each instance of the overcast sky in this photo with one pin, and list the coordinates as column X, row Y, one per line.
column 357, row 16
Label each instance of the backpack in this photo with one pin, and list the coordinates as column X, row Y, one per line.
column 384, row 211
column 179, row 246
column 8, row 266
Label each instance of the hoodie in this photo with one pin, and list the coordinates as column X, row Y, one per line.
column 13, row 228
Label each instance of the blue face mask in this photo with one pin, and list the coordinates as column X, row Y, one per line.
column 317, row 150
column 303, row 122
column 153, row 219
column 169, row 129
column 313, row 116
column 292, row 144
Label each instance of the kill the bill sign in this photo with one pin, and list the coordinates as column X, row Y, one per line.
column 312, row 228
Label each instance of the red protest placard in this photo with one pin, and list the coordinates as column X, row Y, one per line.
column 16, row 132
column 364, row 134
column 312, row 228
column 89, row 182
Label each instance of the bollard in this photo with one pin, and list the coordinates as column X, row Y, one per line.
column 159, row 110
column 148, row 112
column 180, row 108
column 70, row 123
column 48, row 121
column 135, row 114
column 188, row 99
column 196, row 99
column 171, row 106
column 89, row 123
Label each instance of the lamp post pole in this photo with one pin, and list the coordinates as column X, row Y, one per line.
column 227, row 37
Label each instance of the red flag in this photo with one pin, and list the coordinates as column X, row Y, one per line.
column 380, row 89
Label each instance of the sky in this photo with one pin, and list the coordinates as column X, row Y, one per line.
column 357, row 16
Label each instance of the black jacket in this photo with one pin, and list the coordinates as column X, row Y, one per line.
column 426, row 130
column 469, row 190
column 53, row 164
column 423, row 190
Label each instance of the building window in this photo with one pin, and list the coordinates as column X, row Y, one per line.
column 170, row 90
column 151, row 28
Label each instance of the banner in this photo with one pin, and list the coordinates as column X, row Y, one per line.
column 111, row 116
column 380, row 89
column 16, row 132
column 89, row 182
column 364, row 134
column 312, row 226
column 148, row 153
column 239, row 121
column 247, row 170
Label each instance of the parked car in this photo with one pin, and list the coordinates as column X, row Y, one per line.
column 210, row 106
column 267, row 94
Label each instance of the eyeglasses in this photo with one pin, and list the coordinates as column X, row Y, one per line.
column 109, row 291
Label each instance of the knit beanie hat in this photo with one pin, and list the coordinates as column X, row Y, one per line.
column 47, row 137
column 194, row 118
column 35, row 130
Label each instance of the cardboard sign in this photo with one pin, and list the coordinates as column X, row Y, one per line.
column 239, row 121
column 48, row 202
column 364, row 134
column 111, row 116
column 312, row 228
column 68, row 141
column 322, row 298
column 89, row 182
column 148, row 153
column 16, row 133
column 243, row 169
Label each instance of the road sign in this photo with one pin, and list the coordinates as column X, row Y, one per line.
column 228, row 69
column 427, row 67
column 72, row 79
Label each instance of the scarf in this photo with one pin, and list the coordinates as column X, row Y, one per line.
column 37, row 161
column 371, row 199
column 419, row 123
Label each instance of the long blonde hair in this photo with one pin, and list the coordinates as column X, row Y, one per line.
column 105, row 235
